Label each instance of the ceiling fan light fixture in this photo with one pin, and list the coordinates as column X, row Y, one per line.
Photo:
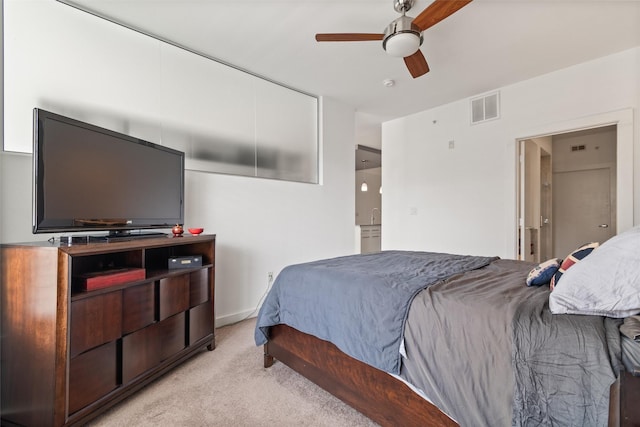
column 402, row 44
column 402, row 37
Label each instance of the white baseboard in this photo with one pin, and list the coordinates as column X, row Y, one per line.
column 236, row 317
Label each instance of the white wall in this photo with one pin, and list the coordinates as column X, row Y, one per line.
column 368, row 130
column 261, row 225
column 462, row 200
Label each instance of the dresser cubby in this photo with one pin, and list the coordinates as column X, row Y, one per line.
column 69, row 354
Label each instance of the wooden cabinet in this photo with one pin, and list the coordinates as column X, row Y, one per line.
column 69, row 354
column 370, row 238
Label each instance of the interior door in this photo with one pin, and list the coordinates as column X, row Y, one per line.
column 582, row 208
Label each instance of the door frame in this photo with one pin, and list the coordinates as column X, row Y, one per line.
column 530, row 216
column 623, row 120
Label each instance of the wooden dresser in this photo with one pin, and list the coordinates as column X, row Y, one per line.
column 68, row 354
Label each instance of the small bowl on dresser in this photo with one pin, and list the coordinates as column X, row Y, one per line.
column 195, row 231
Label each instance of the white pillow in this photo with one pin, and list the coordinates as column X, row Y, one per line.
column 605, row 283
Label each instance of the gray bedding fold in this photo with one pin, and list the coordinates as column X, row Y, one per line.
column 487, row 351
column 630, row 354
column 458, row 342
column 564, row 366
column 631, row 327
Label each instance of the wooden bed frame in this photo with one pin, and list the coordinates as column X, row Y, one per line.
column 381, row 397
column 387, row 400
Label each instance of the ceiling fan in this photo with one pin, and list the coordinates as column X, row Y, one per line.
column 403, row 36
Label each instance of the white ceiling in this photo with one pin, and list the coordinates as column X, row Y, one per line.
column 486, row 45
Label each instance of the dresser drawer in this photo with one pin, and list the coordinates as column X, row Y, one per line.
column 95, row 321
column 174, row 295
column 140, row 352
column 172, row 335
column 138, row 307
column 200, row 322
column 92, row 375
column 198, row 287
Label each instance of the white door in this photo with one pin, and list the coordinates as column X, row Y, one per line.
column 581, row 208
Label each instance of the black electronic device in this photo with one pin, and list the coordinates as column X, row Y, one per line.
column 185, row 262
column 88, row 178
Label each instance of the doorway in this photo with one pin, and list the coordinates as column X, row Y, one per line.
column 567, row 192
column 368, row 190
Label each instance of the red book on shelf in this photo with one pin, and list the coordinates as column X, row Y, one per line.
column 103, row 279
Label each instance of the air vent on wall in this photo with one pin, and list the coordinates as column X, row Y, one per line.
column 484, row 108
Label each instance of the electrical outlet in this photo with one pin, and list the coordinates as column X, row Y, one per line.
column 270, row 276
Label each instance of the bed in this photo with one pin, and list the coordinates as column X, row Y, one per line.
column 421, row 338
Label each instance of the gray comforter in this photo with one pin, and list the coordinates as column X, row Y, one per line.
column 481, row 345
column 487, row 351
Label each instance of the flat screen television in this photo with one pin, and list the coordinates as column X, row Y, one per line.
column 87, row 178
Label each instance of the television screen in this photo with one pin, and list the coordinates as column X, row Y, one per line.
column 90, row 178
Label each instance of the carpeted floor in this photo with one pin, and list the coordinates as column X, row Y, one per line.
column 230, row 387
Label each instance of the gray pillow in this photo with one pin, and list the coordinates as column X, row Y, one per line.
column 605, row 283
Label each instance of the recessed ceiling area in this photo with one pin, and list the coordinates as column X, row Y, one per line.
column 368, row 158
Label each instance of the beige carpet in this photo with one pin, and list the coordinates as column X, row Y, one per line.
column 230, row 387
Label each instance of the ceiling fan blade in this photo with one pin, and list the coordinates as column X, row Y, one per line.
column 437, row 11
column 348, row 37
column 416, row 64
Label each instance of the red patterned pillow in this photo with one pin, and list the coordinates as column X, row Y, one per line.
column 571, row 260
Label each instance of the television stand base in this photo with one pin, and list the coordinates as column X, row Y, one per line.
column 124, row 237
column 109, row 238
